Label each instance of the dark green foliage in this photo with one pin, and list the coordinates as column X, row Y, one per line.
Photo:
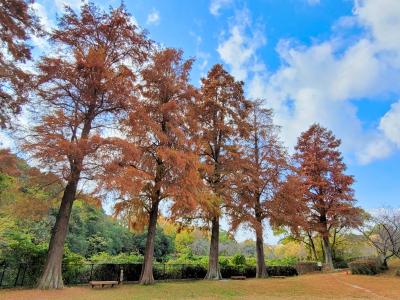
column 163, row 244
column 164, row 271
column 281, row 271
column 91, row 231
column 340, row 263
column 366, row 266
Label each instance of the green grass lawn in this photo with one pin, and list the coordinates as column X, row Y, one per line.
column 315, row 286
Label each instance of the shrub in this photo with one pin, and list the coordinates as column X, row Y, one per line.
column 238, row 259
column 340, row 263
column 287, row 261
column 281, row 271
column 223, row 261
column 250, row 271
column 307, row 267
column 398, row 272
column 179, row 271
column 366, row 267
column 121, row 258
column 197, row 260
column 73, row 267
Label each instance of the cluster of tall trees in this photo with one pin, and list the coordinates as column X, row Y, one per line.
column 119, row 110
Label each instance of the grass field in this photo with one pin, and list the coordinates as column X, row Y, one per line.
column 313, row 286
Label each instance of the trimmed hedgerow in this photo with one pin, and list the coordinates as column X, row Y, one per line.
column 366, row 267
column 307, row 267
column 281, row 271
column 169, row 271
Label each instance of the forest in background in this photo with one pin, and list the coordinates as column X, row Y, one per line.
column 29, row 200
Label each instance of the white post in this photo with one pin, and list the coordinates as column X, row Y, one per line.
column 121, row 276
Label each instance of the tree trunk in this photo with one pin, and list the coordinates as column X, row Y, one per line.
column 384, row 263
column 146, row 276
column 312, row 246
column 261, row 269
column 213, row 272
column 52, row 275
column 327, row 252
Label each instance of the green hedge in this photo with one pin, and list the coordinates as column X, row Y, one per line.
column 82, row 274
column 366, row 267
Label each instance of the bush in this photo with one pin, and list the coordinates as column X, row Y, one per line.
column 287, row 261
column 238, row 259
column 366, row 267
column 307, row 267
column 281, row 271
column 340, row 263
column 179, row 271
column 73, row 267
column 398, row 272
column 121, row 258
column 250, row 271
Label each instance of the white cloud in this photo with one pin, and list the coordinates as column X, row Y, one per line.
column 74, row 4
column 390, row 124
column 382, row 18
column 321, row 82
column 153, row 18
column 202, row 57
column 5, row 140
column 239, row 49
column 217, row 5
column 47, row 24
column 41, row 12
column 377, row 148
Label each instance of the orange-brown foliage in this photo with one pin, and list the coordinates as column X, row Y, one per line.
column 16, row 25
column 319, row 196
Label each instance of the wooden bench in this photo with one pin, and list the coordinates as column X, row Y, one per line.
column 103, row 283
column 238, row 277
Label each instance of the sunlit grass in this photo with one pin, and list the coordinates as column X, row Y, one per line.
column 316, row 286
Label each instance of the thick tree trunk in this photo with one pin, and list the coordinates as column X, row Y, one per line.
column 52, row 277
column 213, row 272
column 327, row 252
column 261, row 268
column 146, row 276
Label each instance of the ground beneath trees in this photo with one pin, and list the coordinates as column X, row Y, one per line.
column 314, row 286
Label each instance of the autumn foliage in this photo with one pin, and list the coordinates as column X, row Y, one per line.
column 318, row 196
column 264, row 166
column 114, row 109
column 222, row 112
column 82, row 88
column 156, row 160
column 17, row 24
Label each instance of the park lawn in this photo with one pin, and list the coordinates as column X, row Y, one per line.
column 315, row 286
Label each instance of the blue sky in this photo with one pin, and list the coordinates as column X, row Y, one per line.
column 336, row 62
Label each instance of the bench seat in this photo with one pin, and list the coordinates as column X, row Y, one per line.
column 103, row 283
column 238, row 277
